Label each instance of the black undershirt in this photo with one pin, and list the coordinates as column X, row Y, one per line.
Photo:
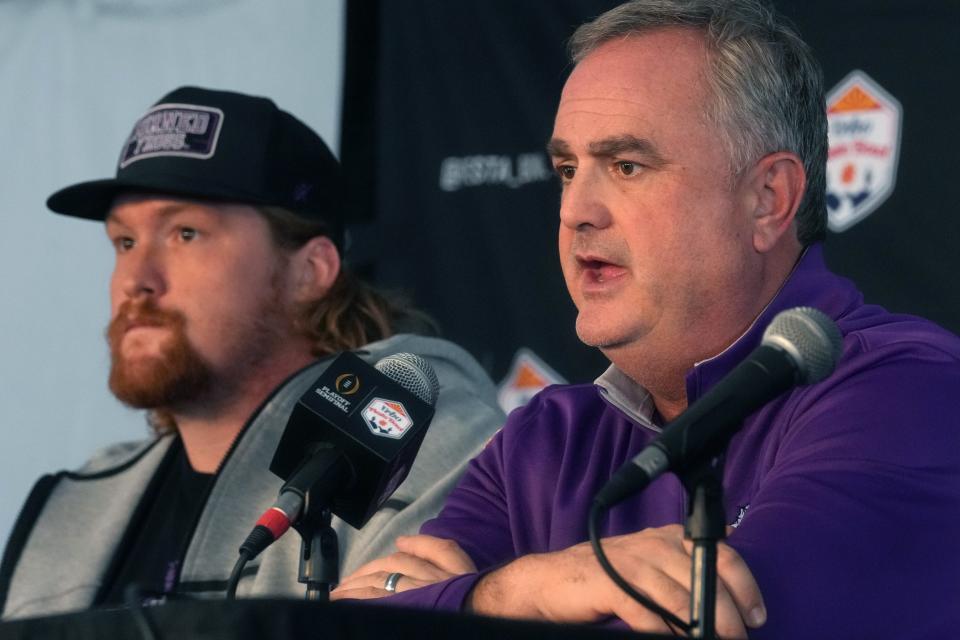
column 157, row 543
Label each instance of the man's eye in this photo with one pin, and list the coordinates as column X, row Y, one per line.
column 187, row 233
column 566, row 172
column 627, row 168
column 123, row 243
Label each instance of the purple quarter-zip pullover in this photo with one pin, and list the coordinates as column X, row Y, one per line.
column 845, row 494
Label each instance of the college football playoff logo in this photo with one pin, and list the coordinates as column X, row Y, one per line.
column 347, row 384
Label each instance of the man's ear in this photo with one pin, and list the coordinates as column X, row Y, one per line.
column 316, row 266
column 777, row 183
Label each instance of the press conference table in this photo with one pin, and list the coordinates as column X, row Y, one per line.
column 280, row 619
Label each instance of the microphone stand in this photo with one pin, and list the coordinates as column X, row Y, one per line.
column 705, row 525
column 319, row 552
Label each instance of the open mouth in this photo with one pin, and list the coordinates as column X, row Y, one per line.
column 598, row 271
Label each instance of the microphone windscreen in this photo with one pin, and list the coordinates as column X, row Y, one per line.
column 413, row 373
column 810, row 337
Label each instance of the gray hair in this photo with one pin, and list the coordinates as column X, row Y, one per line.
column 767, row 86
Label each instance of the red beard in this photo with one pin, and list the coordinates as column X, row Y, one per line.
column 178, row 376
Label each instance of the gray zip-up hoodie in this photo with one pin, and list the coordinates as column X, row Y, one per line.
column 66, row 537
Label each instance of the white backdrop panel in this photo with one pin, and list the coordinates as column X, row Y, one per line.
column 74, row 76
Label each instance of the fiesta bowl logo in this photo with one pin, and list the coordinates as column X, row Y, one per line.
column 864, row 123
column 387, row 418
column 528, row 375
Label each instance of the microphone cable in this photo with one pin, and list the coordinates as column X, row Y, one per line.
column 132, row 597
column 238, row 567
column 597, row 510
column 800, row 345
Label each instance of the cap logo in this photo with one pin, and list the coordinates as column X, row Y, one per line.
column 302, row 191
column 183, row 130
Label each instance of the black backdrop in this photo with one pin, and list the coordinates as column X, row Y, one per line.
column 447, row 106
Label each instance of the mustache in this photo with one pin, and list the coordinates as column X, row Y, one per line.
column 610, row 248
column 139, row 314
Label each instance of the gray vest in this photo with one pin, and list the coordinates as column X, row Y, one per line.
column 66, row 537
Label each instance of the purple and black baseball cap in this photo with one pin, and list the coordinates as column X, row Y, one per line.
column 221, row 146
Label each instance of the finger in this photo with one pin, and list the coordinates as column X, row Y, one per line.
column 728, row 620
column 380, row 564
column 404, row 563
column 733, row 607
column 356, row 581
column 378, row 581
column 739, row 582
column 676, row 598
column 661, row 589
column 673, row 556
column 443, row 553
column 399, row 561
column 359, row 593
column 366, row 593
column 668, row 581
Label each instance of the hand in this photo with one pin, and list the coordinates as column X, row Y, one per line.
column 570, row 585
column 421, row 559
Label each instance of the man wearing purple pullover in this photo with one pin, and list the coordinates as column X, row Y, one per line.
column 691, row 141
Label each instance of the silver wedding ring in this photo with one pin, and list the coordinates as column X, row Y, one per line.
column 390, row 584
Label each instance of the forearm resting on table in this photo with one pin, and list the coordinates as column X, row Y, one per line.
column 505, row 593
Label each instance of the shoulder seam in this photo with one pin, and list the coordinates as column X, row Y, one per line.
column 106, row 473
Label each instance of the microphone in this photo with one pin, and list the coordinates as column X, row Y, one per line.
column 800, row 346
column 349, row 442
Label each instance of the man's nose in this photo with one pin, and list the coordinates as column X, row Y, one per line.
column 140, row 273
column 582, row 204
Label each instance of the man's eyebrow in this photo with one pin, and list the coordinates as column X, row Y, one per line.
column 617, row 145
column 557, row 147
column 166, row 210
column 608, row 147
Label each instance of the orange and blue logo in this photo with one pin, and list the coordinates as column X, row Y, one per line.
column 528, row 375
column 864, row 123
column 387, row 418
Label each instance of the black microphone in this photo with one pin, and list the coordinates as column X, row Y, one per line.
column 349, row 442
column 800, row 346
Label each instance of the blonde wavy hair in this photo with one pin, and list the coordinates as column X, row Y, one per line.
column 352, row 313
